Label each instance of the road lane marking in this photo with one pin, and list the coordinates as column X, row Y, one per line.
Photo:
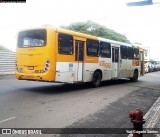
column 7, row 119
column 96, row 90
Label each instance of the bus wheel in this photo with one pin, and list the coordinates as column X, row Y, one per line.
column 96, row 79
column 135, row 76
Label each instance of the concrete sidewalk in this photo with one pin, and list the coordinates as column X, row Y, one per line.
column 152, row 117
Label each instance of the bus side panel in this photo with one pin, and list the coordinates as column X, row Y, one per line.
column 65, row 66
column 125, row 68
column 136, row 65
column 89, row 69
column 90, row 65
column 65, row 72
column 105, row 64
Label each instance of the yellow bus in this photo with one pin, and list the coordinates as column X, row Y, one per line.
column 57, row 55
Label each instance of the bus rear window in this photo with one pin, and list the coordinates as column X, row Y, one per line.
column 32, row 38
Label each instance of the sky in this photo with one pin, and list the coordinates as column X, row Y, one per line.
column 140, row 24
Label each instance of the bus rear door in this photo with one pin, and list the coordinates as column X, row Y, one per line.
column 79, row 58
column 115, row 62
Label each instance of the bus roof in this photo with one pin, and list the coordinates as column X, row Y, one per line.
column 78, row 34
column 92, row 37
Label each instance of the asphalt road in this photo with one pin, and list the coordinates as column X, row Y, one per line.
column 28, row 104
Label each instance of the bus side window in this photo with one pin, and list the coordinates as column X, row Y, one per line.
column 116, row 54
column 113, row 56
column 136, row 53
column 123, row 52
column 105, row 49
column 65, row 44
column 92, row 47
column 130, row 53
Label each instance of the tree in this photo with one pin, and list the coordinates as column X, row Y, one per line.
column 95, row 29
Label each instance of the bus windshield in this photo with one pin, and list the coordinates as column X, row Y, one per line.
column 32, row 38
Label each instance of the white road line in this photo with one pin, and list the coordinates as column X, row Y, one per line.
column 96, row 90
column 7, row 119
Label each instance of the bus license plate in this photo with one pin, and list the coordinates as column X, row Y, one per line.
column 30, row 68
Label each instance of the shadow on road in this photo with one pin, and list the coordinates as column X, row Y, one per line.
column 63, row 88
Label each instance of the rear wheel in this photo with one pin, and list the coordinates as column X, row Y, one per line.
column 96, row 79
column 135, row 76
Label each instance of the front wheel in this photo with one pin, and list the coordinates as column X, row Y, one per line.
column 135, row 76
column 96, row 79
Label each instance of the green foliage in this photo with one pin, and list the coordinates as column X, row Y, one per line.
column 3, row 48
column 95, row 29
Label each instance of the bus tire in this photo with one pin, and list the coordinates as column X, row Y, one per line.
column 135, row 76
column 96, row 79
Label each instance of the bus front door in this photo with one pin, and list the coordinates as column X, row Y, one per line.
column 79, row 58
column 115, row 62
column 142, row 62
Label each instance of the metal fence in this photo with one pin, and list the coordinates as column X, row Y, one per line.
column 7, row 62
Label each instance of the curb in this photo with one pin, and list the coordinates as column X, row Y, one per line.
column 7, row 73
column 152, row 117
